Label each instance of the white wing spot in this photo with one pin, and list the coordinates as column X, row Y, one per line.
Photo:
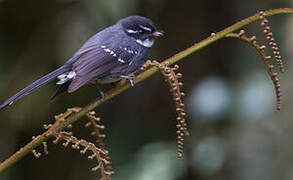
column 121, row 60
column 71, row 74
column 107, row 50
column 63, row 78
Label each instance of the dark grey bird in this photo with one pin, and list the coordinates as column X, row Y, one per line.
column 108, row 56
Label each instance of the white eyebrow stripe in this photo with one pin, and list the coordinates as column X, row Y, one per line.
column 131, row 31
column 145, row 28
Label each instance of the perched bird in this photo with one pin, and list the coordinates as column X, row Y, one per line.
column 108, row 56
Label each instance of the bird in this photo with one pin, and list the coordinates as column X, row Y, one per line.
column 107, row 57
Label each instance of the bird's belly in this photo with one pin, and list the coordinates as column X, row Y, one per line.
column 109, row 79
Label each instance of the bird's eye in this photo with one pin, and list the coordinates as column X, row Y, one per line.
column 140, row 31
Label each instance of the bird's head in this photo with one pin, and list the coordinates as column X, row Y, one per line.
column 141, row 29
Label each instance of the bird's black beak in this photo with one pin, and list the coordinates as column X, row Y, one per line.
column 158, row 33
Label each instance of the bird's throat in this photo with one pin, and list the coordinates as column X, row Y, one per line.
column 146, row 43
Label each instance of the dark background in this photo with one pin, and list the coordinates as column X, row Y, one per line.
column 236, row 133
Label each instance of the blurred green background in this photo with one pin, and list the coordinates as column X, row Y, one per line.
column 236, row 133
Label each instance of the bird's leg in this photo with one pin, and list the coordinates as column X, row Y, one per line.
column 129, row 78
column 102, row 95
column 101, row 92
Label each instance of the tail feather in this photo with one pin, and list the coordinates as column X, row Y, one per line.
column 36, row 84
column 61, row 90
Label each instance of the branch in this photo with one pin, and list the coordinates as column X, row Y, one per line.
column 269, row 67
column 123, row 85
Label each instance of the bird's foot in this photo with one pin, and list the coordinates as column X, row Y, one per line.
column 102, row 95
column 129, row 78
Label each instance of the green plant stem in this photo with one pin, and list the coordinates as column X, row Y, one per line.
column 144, row 75
column 22, row 152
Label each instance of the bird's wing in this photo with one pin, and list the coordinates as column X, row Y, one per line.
column 94, row 62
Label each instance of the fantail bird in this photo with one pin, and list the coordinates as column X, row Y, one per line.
column 108, row 56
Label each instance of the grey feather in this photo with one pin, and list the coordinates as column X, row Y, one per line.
column 112, row 53
column 36, row 84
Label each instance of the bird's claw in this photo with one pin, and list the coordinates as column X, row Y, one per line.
column 102, row 95
column 129, row 78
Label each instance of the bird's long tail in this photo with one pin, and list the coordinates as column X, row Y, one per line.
column 36, row 84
